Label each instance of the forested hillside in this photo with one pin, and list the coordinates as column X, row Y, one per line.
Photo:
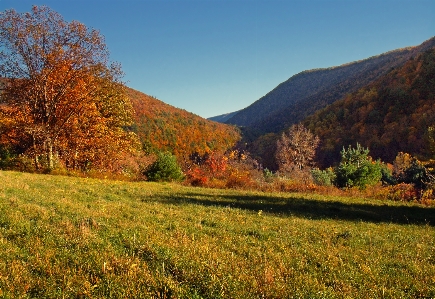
column 311, row 91
column 164, row 127
column 395, row 113
column 303, row 94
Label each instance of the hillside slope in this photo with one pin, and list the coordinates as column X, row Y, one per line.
column 163, row 127
column 393, row 114
column 303, row 94
column 223, row 117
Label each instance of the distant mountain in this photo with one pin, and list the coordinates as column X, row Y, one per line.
column 164, row 127
column 305, row 93
column 223, row 118
column 395, row 113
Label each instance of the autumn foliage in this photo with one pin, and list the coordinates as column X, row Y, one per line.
column 62, row 101
column 296, row 149
column 394, row 114
column 232, row 169
column 161, row 127
column 63, row 106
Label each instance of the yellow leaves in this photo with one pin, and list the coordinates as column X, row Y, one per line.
column 232, row 155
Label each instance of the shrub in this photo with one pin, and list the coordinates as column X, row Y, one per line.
column 6, row 158
column 197, row 177
column 232, row 169
column 268, row 175
column 417, row 175
column 412, row 172
column 323, row 177
column 165, row 168
column 239, row 179
column 387, row 174
column 402, row 192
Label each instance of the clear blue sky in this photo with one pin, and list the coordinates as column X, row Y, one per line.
column 212, row 57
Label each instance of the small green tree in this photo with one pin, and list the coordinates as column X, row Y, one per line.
column 357, row 169
column 6, row 157
column 323, row 177
column 164, row 169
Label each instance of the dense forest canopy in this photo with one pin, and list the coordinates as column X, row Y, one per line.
column 304, row 93
column 394, row 114
column 162, row 127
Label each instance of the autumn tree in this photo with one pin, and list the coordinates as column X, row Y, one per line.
column 408, row 169
column 62, row 97
column 296, row 148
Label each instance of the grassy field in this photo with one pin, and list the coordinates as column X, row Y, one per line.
column 64, row 237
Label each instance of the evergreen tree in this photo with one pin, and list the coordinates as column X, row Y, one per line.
column 357, row 169
column 165, row 168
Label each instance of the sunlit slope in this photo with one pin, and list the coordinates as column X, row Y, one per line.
column 163, row 127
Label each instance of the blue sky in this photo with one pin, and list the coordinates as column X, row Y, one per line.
column 212, row 57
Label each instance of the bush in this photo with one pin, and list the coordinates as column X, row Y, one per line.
column 410, row 170
column 197, row 177
column 387, row 175
column 323, row 177
column 165, row 168
column 402, row 192
column 268, row 175
column 6, row 158
column 417, row 175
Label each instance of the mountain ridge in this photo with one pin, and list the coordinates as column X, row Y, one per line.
column 259, row 136
column 223, row 117
column 308, row 91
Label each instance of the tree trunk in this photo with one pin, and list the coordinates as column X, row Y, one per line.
column 49, row 145
column 35, row 153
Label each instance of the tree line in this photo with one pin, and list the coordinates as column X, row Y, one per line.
column 63, row 102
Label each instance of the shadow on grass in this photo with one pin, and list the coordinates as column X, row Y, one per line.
column 311, row 208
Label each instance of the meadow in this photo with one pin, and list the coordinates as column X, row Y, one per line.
column 68, row 237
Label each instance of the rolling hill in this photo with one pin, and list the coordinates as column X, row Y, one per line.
column 307, row 93
column 163, row 127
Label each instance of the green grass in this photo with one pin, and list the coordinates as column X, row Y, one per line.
column 63, row 237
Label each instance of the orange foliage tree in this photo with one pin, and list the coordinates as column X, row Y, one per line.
column 62, row 97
